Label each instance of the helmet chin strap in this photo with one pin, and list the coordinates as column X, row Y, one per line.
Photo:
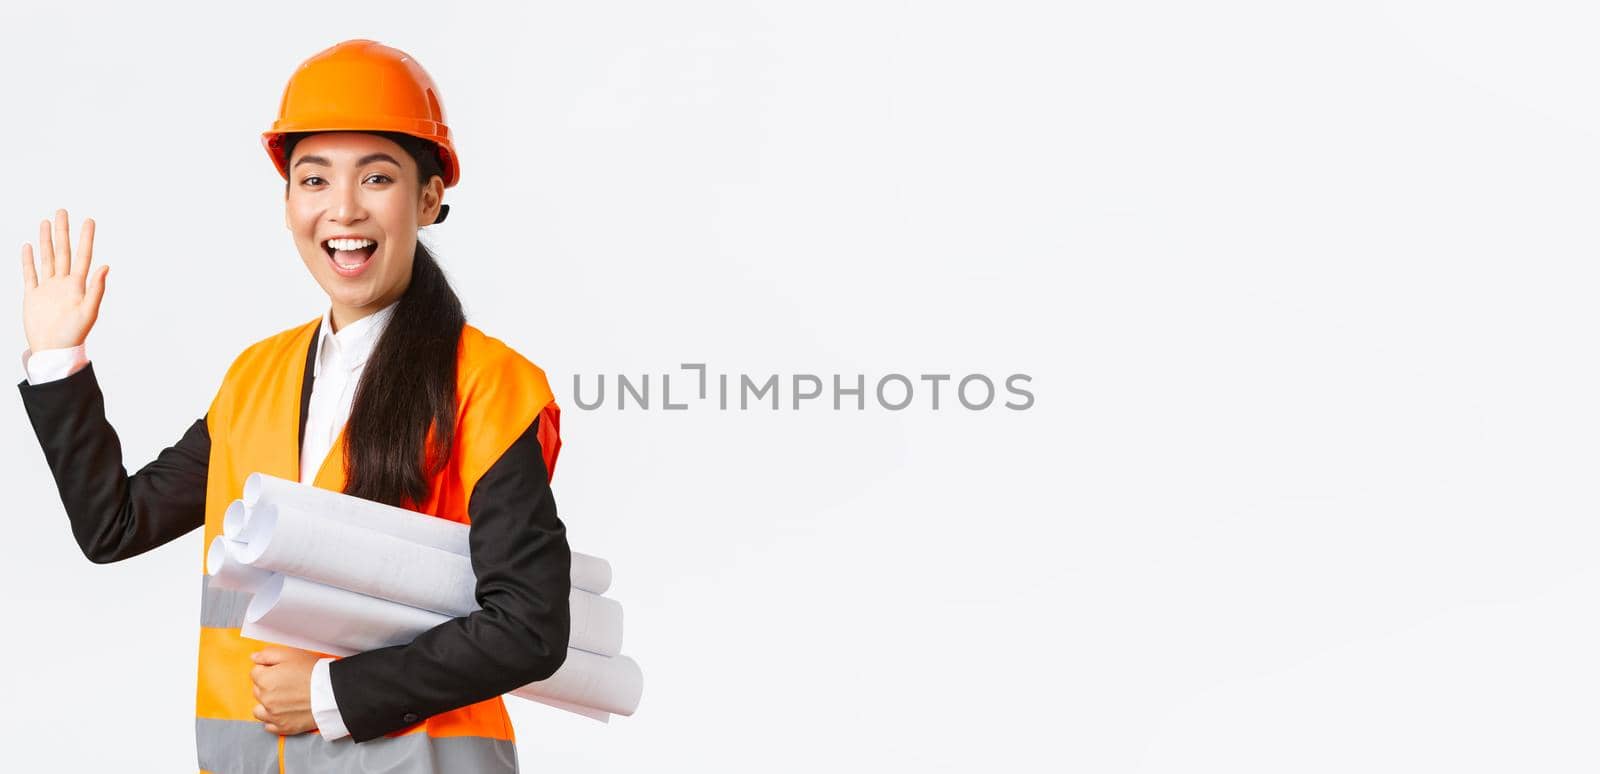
column 444, row 209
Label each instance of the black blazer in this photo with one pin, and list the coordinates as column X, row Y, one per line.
column 519, row 555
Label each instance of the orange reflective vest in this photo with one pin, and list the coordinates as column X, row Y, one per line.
column 254, row 426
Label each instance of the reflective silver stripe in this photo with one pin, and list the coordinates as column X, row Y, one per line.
column 410, row 754
column 222, row 608
column 235, row 746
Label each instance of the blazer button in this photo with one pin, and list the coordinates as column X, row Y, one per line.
column 410, row 717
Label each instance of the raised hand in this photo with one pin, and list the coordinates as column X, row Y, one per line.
column 60, row 302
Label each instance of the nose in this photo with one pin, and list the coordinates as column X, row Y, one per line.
column 347, row 207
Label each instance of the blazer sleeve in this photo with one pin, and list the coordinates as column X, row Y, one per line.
column 115, row 516
column 523, row 568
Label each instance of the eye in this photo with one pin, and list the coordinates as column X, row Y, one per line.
column 311, row 180
column 381, row 178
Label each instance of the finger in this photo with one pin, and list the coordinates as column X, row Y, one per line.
column 63, row 244
column 85, row 254
column 97, row 288
column 272, row 729
column 261, row 713
column 271, row 655
column 47, row 254
column 30, row 279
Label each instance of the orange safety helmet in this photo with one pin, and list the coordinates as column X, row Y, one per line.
column 362, row 85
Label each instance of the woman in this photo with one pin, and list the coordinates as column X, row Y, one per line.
column 436, row 417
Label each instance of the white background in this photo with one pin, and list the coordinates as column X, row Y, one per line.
column 1305, row 292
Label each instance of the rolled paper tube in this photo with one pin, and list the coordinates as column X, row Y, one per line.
column 608, row 683
column 443, row 534
column 227, row 572
column 588, row 712
column 335, row 616
column 596, row 622
column 590, row 573
column 235, row 519
column 257, row 631
column 289, row 541
column 358, row 622
column 280, row 613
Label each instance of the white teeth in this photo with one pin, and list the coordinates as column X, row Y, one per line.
column 349, row 244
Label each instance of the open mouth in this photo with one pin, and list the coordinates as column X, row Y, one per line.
column 349, row 255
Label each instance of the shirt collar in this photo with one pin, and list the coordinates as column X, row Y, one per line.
column 354, row 342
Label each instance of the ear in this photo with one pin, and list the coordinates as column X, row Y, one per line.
column 428, row 204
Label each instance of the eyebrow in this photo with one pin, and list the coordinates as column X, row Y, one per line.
column 363, row 161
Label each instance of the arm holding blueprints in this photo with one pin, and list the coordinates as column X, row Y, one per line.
column 340, row 575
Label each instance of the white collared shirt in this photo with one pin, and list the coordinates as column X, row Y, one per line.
column 341, row 357
column 336, row 370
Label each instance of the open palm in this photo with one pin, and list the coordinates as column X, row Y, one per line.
column 60, row 303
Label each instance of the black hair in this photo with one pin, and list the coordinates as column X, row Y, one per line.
column 407, row 391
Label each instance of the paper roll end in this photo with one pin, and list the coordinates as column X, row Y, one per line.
column 266, row 596
column 215, row 554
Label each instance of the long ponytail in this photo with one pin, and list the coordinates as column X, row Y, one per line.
column 407, row 388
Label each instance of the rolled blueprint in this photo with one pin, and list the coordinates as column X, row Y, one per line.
column 286, row 540
column 603, row 717
column 333, row 616
column 225, row 569
column 596, row 623
column 301, row 534
column 235, row 519
column 606, row 683
column 257, row 631
column 601, row 684
column 590, row 573
column 443, row 534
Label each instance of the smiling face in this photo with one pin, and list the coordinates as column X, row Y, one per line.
column 354, row 206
